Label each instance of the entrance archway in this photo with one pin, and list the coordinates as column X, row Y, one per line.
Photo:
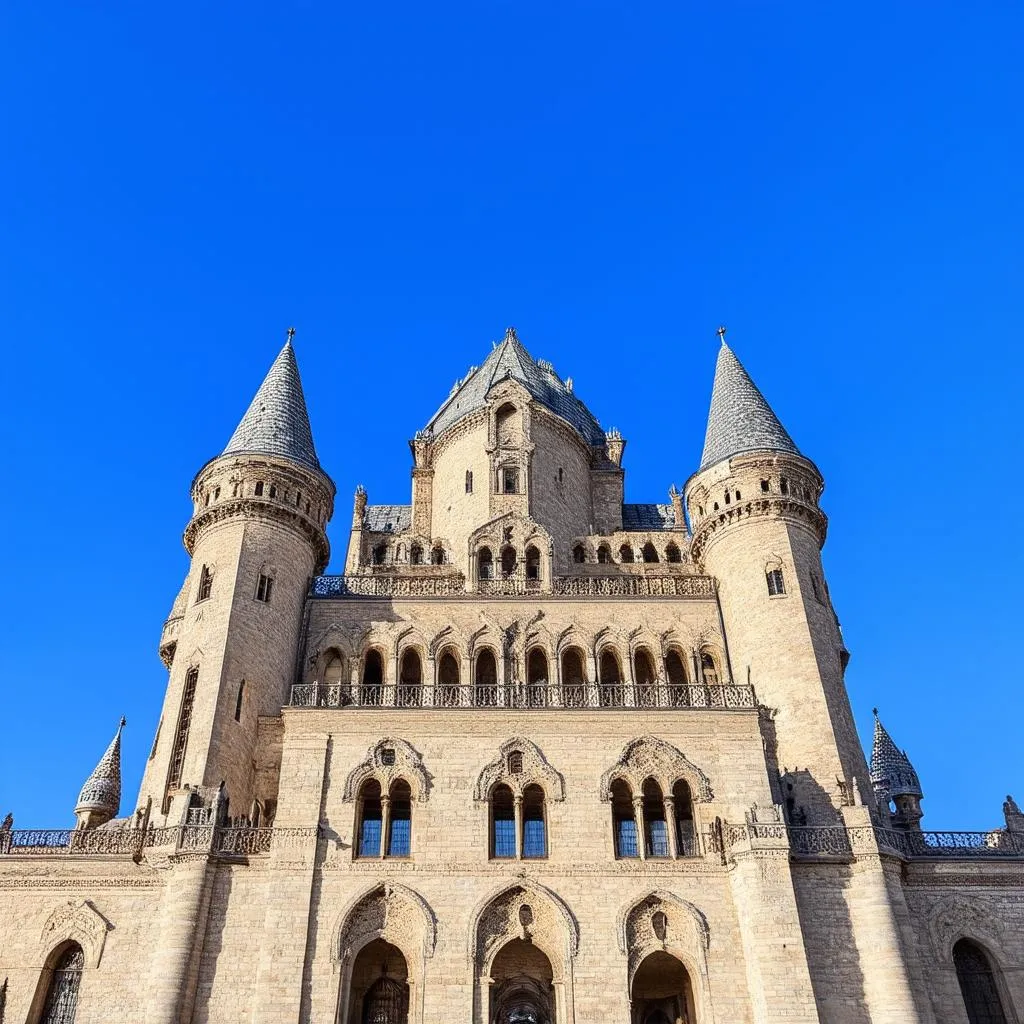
column 661, row 992
column 379, row 989
column 522, row 991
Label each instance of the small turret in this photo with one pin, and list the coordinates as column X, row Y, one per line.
column 894, row 778
column 100, row 798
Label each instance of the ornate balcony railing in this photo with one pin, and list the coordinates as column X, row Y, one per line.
column 222, row 840
column 661, row 696
column 428, row 584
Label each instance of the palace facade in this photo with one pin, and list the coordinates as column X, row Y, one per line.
column 537, row 756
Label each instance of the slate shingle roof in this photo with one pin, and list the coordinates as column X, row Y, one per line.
column 102, row 790
column 740, row 420
column 890, row 766
column 387, row 518
column 510, row 359
column 648, row 517
column 276, row 422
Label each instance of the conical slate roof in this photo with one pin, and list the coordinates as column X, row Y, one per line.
column 890, row 767
column 277, row 422
column 511, row 360
column 102, row 790
column 740, row 419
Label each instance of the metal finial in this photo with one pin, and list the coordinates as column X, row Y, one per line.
column 874, row 711
column 124, row 721
column 721, row 334
column 291, row 333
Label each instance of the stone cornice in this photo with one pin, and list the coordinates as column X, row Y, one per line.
column 768, row 506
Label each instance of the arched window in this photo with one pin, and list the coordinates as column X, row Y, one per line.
column 371, row 815
column 686, row 838
column 675, row 671
column 532, row 563
column 448, row 678
column 503, row 823
column 205, row 584
column 574, row 681
column 645, row 678
column 655, row 825
column 604, row 554
column 709, row 669
column 623, row 820
column 334, row 668
column 535, row 842
column 62, row 992
column 486, row 677
column 410, row 678
column 672, row 553
column 626, row 554
column 416, row 555
column 776, row 584
column 508, row 561
column 181, row 733
column 373, row 677
column 400, row 820
column 437, row 555
column 259, row 489
column 579, row 554
column 537, row 677
column 611, row 679
column 485, row 564
column 506, row 425
column 977, row 984
column 380, row 552
column 649, row 553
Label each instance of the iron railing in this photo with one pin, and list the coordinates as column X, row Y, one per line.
column 388, row 585
column 523, row 695
column 638, row 585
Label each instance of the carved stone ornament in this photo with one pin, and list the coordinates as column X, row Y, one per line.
column 391, row 912
column 534, row 770
column 649, row 757
column 406, row 764
column 955, row 918
column 530, row 911
column 79, row 921
column 663, row 921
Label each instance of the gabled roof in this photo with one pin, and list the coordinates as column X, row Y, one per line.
column 102, row 790
column 276, row 422
column 641, row 517
column 890, row 767
column 510, row 360
column 740, row 419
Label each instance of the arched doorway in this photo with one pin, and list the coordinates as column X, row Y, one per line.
column 977, row 984
column 661, row 992
column 521, row 990
column 379, row 986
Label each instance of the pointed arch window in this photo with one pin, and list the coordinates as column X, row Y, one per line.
column 626, row 554
column 649, row 552
column 604, row 554
column 645, row 677
column 65, row 981
column 437, row 555
column 535, row 840
column 977, row 984
column 448, row 678
column 574, row 682
column 486, row 678
column 410, row 678
column 709, row 669
column 485, row 564
column 611, row 679
column 686, row 837
column 623, row 821
column 532, row 563
column 672, row 553
column 372, row 690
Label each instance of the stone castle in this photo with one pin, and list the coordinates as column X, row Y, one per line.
column 538, row 756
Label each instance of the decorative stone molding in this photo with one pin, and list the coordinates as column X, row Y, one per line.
column 78, row 921
column 530, row 911
column 663, row 921
column 406, row 764
column 388, row 911
column 535, row 769
column 649, row 757
column 955, row 918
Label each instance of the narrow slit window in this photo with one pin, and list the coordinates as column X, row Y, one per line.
column 264, row 585
column 469, row 481
column 238, row 701
column 205, row 584
column 181, row 735
column 259, row 489
column 776, row 584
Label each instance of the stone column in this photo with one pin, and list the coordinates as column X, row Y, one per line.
column 641, row 835
column 385, row 820
column 670, row 822
column 518, row 800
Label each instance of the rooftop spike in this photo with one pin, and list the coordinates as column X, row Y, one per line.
column 276, row 422
column 100, row 798
column 891, row 769
column 740, row 419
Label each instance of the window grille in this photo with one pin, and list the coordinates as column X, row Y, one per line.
column 387, row 756
column 515, row 762
column 205, row 584
column 387, row 1002
column 62, row 997
column 181, row 736
column 776, row 584
column 264, row 585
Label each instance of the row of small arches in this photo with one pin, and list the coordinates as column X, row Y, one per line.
column 266, row 489
column 626, row 555
column 703, row 667
column 786, row 487
column 416, row 554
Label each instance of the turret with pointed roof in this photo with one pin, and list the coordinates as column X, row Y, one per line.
column 894, row 778
column 100, row 798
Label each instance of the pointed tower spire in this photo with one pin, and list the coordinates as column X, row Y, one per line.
column 890, row 766
column 276, row 422
column 740, row 420
column 100, row 798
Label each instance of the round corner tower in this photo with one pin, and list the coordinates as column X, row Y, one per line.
column 758, row 528
column 256, row 538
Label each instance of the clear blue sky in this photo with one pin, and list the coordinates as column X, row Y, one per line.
column 839, row 184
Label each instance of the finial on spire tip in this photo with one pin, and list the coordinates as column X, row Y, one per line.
column 510, row 334
column 291, row 334
column 874, row 711
column 721, row 333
